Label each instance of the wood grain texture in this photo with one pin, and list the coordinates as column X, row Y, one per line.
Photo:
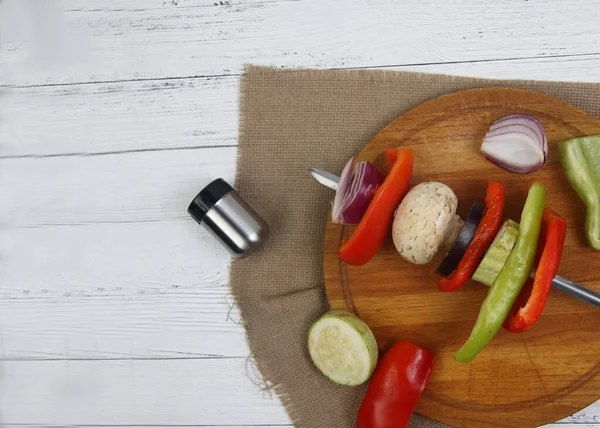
column 135, row 392
column 193, row 426
column 93, row 278
column 170, row 114
column 521, row 380
column 143, row 40
column 123, row 44
column 118, row 188
column 104, row 118
column 120, row 116
column 124, row 290
column 187, row 426
column 147, row 393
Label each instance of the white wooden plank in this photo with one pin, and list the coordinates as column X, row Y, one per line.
column 119, row 116
column 589, row 416
column 132, row 290
column 140, row 287
column 135, row 392
column 573, row 425
column 133, row 187
column 107, row 259
column 159, row 426
column 168, row 325
column 99, row 44
column 138, row 5
column 138, row 392
column 167, row 114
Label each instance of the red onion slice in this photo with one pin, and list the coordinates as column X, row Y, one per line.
column 517, row 143
column 526, row 119
column 356, row 188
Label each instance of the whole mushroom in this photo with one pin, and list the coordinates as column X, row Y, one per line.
column 425, row 222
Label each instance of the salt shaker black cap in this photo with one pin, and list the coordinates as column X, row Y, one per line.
column 207, row 198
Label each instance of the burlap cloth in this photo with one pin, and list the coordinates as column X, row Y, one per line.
column 291, row 120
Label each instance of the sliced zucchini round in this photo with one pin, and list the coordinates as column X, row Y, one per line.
column 343, row 348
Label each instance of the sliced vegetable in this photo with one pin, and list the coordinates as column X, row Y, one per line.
column 463, row 240
column 390, row 159
column 511, row 278
column 343, row 347
column 530, row 305
column 580, row 158
column 375, row 224
column 517, row 143
column 423, row 221
column 396, row 386
column 486, row 231
column 496, row 256
column 356, row 188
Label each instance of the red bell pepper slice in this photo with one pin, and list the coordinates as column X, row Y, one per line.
column 396, row 386
column 530, row 303
column 373, row 228
column 391, row 155
column 484, row 235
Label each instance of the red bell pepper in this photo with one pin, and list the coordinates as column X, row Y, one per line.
column 373, row 228
column 484, row 235
column 390, row 159
column 530, row 303
column 396, row 386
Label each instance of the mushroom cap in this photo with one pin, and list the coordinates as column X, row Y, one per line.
column 422, row 221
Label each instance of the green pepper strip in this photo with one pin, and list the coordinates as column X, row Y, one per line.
column 580, row 158
column 510, row 280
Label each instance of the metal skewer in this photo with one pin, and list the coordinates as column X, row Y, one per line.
column 576, row 290
column 563, row 284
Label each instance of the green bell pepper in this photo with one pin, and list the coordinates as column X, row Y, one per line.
column 510, row 280
column 580, row 158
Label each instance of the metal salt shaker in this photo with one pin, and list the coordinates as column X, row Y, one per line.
column 221, row 211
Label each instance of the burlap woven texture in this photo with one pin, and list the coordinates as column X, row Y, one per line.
column 291, row 120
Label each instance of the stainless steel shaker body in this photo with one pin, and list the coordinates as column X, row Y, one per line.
column 221, row 211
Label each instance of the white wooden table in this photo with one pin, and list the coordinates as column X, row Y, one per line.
column 114, row 305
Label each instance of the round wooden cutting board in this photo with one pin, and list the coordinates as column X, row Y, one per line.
column 519, row 380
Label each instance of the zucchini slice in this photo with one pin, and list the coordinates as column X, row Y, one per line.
column 495, row 258
column 343, row 348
